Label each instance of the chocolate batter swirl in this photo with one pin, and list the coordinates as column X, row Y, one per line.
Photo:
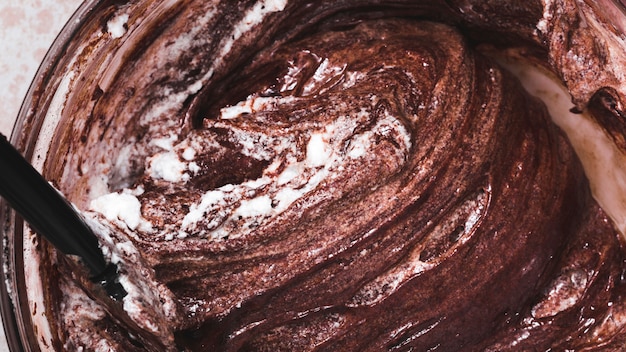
column 366, row 224
column 363, row 182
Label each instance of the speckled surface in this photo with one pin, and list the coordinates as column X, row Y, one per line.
column 27, row 29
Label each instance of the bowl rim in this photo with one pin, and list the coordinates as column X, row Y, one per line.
column 18, row 328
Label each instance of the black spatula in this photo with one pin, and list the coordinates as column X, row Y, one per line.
column 53, row 217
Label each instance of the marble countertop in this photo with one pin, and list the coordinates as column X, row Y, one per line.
column 27, row 29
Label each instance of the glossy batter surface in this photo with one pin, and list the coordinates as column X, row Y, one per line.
column 371, row 183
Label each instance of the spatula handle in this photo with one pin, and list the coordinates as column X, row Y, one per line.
column 43, row 207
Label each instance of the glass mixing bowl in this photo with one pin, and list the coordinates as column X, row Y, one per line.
column 84, row 54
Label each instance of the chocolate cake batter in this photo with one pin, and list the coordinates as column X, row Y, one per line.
column 341, row 176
